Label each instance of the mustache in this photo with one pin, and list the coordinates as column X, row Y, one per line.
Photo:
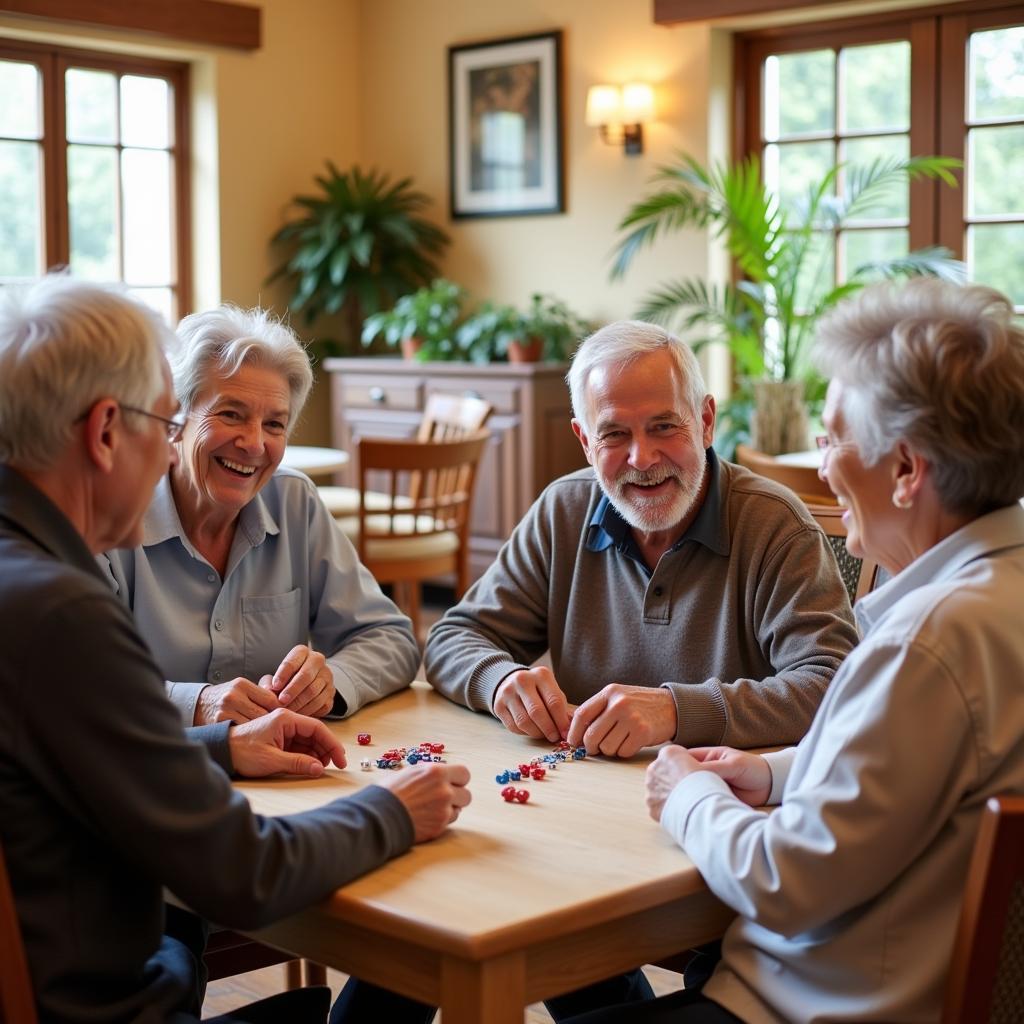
column 646, row 477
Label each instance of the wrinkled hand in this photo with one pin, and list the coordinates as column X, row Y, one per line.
column 433, row 794
column 620, row 719
column 303, row 683
column 529, row 702
column 238, row 700
column 748, row 775
column 284, row 742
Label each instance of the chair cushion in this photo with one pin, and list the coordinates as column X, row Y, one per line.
column 402, row 548
column 344, row 501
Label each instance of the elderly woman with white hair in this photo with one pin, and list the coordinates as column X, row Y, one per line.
column 849, row 891
column 248, row 594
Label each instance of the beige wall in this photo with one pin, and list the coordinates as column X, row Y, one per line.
column 403, row 90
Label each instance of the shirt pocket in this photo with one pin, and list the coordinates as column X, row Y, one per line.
column 271, row 627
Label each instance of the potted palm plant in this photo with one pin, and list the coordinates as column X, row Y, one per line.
column 547, row 330
column 767, row 317
column 357, row 245
column 421, row 323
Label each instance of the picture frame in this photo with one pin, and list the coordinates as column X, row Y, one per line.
column 506, row 126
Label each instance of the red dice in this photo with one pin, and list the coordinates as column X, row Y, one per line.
column 363, row 739
column 508, row 794
column 522, row 795
column 538, row 773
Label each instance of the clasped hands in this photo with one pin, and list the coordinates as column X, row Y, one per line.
column 303, row 683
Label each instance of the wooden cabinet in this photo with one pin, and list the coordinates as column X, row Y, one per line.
column 531, row 443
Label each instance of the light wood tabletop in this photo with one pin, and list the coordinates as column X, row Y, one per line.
column 516, row 902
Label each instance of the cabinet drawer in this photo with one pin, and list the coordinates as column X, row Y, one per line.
column 503, row 396
column 370, row 392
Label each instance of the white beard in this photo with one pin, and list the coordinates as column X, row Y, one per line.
column 651, row 515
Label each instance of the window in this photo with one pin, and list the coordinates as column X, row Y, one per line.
column 896, row 85
column 93, row 170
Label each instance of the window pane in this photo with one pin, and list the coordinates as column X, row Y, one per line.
column 861, row 153
column 145, row 106
column 790, row 170
column 92, row 212
column 996, row 73
column 91, row 106
column 799, row 91
column 995, row 184
column 160, row 299
column 875, row 83
column 995, row 254
column 817, row 271
column 147, row 216
column 859, row 248
column 20, row 211
column 19, row 100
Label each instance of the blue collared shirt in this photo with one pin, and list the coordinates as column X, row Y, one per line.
column 292, row 578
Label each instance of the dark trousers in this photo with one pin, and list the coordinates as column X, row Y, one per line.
column 360, row 1001
column 677, row 1008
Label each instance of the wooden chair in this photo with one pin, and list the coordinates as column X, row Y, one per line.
column 17, row 998
column 986, row 976
column 861, row 576
column 804, row 480
column 423, row 531
column 445, row 417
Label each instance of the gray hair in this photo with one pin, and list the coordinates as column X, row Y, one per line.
column 64, row 344
column 624, row 341
column 224, row 339
column 941, row 367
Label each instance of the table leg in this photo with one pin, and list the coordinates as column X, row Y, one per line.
column 488, row 992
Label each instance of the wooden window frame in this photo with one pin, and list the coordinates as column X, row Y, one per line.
column 938, row 116
column 53, row 61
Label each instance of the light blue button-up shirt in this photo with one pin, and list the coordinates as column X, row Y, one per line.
column 849, row 892
column 292, row 578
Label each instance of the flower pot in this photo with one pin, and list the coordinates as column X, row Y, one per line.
column 528, row 351
column 778, row 423
column 410, row 347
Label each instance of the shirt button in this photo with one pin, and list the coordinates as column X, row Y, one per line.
column 212, row 577
column 216, row 675
column 218, row 624
column 658, row 591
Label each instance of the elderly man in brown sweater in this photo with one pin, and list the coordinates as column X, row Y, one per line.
column 681, row 597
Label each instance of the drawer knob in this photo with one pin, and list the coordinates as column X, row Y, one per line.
column 378, row 395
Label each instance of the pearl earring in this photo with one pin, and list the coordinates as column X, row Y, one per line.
column 902, row 502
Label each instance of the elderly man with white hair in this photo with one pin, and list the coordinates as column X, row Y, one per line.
column 104, row 799
column 682, row 598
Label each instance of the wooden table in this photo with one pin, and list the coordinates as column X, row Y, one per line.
column 314, row 460
column 516, row 902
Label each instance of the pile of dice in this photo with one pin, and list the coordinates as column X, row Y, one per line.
column 536, row 769
column 396, row 757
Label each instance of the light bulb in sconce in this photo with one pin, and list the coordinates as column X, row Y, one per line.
column 620, row 113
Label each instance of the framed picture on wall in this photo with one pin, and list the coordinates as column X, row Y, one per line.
column 505, row 127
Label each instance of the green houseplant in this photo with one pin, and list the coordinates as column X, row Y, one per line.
column 422, row 323
column 767, row 318
column 358, row 244
column 548, row 329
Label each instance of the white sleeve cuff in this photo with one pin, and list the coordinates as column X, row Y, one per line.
column 779, row 763
column 682, row 800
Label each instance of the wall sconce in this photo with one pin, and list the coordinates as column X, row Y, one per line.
column 620, row 113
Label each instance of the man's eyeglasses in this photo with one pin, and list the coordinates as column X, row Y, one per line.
column 175, row 428
column 825, row 446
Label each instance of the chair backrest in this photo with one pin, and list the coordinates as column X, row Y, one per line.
column 446, row 417
column 17, row 1000
column 986, row 977
column 804, row 480
column 859, row 575
column 436, row 501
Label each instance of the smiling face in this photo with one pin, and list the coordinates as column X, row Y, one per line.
column 645, row 444
column 865, row 492
column 235, row 438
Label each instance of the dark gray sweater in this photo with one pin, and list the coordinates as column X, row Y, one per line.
column 103, row 799
column 746, row 619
